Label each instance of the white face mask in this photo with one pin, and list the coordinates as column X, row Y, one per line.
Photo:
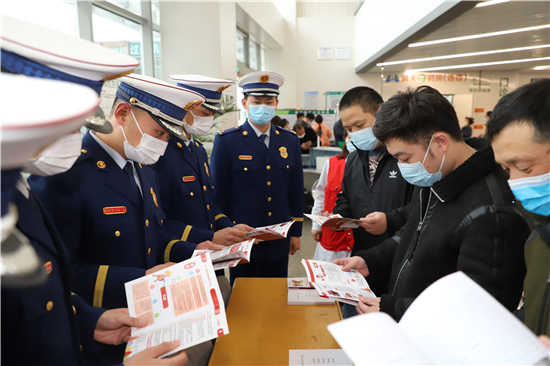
column 56, row 158
column 149, row 149
column 201, row 125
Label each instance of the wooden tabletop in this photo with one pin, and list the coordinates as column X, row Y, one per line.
column 262, row 327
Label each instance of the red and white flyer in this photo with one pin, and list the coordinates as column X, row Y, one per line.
column 331, row 282
column 334, row 221
column 272, row 232
column 229, row 256
column 181, row 302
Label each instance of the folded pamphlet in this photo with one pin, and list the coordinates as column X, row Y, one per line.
column 181, row 302
column 229, row 256
column 453, row 322
column 336, row 221
column 331, row 282
column 272, row 232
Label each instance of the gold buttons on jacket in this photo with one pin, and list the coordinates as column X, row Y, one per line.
column 101, row 164
column 146, row 222
column 211, row 226
column 287, row 166
column 245, row 169
column 268, row 199
column 162, row 222
column 117, row 233
column 208, row 207
column 269, row 214
column 84, row 151
column 149, row 251
column 179, row 144
column 74, row 309
column 268, row 183
column 191, row 194
column 245, row 133
column 277, row 132
column 204, row 188
column 49, row 305
column 268, row 167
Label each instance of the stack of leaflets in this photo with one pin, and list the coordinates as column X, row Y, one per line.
column 229, row 256
column 179, row 302
column 336, row 221
column 300, row 292
column 453, row 322
column 331, row 282
column 272, row 232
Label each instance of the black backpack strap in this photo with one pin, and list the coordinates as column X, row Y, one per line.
column 541, row 229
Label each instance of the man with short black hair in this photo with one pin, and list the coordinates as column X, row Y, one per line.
column 372, row 188
column 520, row 134
column 463, row 219
column 307, row 137
column 310, row 118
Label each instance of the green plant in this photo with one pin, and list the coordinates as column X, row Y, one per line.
column 216, row 126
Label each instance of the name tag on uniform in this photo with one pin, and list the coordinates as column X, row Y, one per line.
column 114, row 210
column 189, row 178
column 245, row 157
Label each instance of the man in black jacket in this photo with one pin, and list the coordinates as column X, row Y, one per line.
column 372, row 181
column 463, row 218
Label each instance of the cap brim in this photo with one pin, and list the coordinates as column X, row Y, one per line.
column 97, row 122
column 170, row 127
column 214, row 107
column 262, row 94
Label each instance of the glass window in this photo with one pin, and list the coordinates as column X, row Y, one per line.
column 117, row 33
column 54, row 14
column 155, row 11
column 157, row 54
column 241, row 56
column 262, row 59
column 252, row 55
column 131, row 5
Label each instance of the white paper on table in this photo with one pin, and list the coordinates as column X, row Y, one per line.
column 229, row 256
column 181, row 302
column 298, row 282
column 300, row 296
column 334, row 220
column 271, row 232
column 314, row 357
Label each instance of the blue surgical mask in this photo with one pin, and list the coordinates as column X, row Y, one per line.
column 533, row 192
column 350, row 147
column 364, row 139
column 261, row 114
column 417, row 174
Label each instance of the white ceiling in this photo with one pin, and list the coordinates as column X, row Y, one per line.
column 494, row 18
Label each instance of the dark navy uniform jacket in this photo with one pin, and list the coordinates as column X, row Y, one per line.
column 187, row 188
column 258, row 187
column 46, row 325
column 112, row 235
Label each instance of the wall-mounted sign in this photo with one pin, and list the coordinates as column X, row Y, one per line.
column 325, row 54
column 343, row 53
column 478, row 110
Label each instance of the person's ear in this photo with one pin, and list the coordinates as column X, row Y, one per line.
column 441, row 142
column 276, row 103
column 245, row 106
column 122, row 113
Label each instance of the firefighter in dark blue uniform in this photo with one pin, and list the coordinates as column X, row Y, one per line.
column 184, row 174
column 257, row 170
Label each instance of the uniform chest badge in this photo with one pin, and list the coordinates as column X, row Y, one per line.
column 284, row 154
column 154, row 197
column 48, row 267
column 189, row 178
column 206, row 168
column 245, row 157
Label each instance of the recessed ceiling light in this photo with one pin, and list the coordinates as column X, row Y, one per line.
column 493, row 2
column 542, row 67
column 482, row 35
column 461, row 55
column 481, row 64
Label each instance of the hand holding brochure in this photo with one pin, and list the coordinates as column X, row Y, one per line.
column 229, row 256
column 272, row 232
column 453, row 322
column 331, row 282
column 179, row 302
column 336, row 221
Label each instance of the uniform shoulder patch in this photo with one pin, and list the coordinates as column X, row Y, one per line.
column 285, row 131
column 229, row 130
column 83, row 156
column 198, row 142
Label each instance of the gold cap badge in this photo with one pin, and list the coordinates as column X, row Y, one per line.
column 192, row 104
column 264, row 78
column 222, row 88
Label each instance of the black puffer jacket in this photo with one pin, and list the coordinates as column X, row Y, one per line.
column 470, row 224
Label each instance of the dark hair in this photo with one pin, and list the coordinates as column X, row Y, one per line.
column 310, row 116
column 367, row 98
column 413, row 116
column 298, row 126
column 530, row 104
column 489, row 113
column 282, row 123
column 319, row 119
column 345, row 152
column 299, row 115
column 470, row 120
column 275, row 120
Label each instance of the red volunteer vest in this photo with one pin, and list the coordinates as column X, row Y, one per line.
column 333, row 240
